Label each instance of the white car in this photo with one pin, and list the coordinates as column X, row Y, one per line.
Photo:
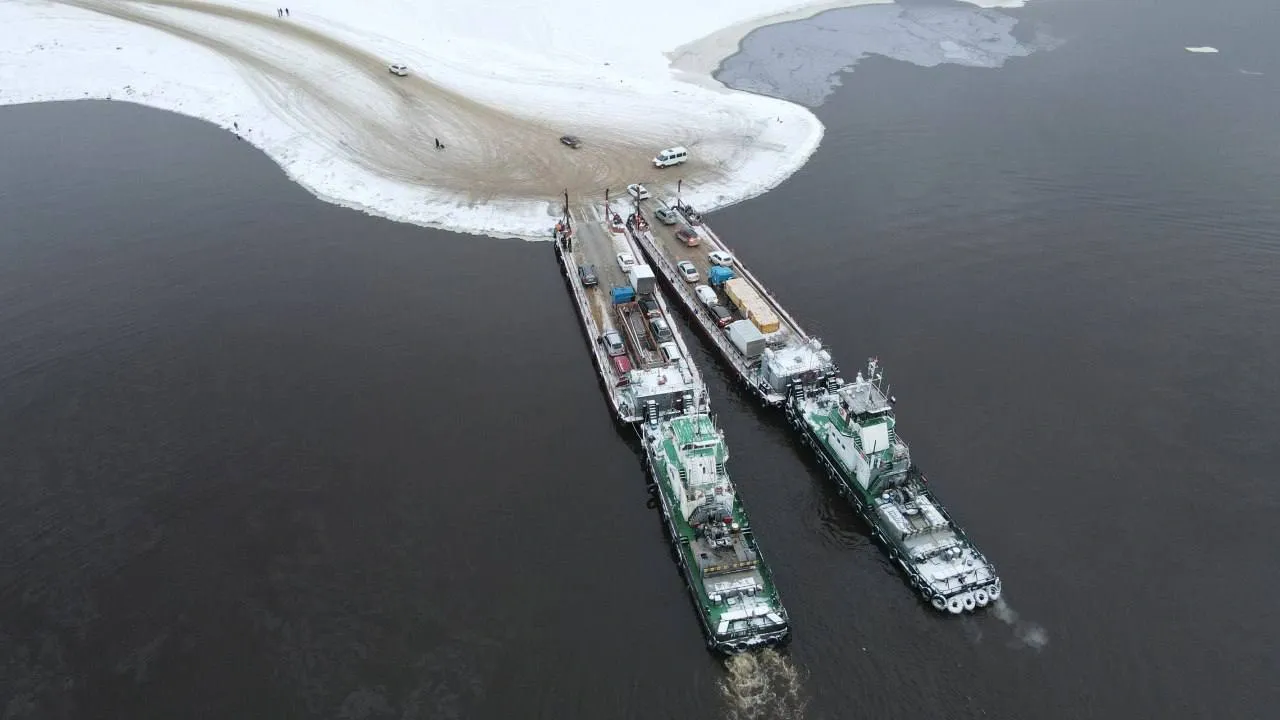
column 638, row 191
column 721, row 258
column 626, row 261
column 398, row 69
column 706, row 295
column 688, row 270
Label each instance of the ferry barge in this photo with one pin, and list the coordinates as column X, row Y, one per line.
column 652, row 384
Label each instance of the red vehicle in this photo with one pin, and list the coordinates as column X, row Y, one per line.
column 622, row 366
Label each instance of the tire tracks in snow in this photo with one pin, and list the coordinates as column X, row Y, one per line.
column 493, row 154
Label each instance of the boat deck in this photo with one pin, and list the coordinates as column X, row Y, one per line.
column 674, row 250
column 654, row 383
column 594, row 245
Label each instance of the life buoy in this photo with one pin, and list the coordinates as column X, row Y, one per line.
column 969, row 602
column 994, row 591
column 981, row 597
column 955, row 605
column 939, row 602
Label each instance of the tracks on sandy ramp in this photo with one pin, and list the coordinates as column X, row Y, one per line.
column 342, row 97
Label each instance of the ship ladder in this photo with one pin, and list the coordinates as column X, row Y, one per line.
column 651, row 412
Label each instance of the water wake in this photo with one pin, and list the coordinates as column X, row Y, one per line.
column 762, row 685
column 1029, row 634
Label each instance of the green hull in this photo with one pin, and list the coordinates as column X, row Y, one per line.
column 705, row 568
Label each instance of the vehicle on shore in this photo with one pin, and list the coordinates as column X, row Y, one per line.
column 671, row 156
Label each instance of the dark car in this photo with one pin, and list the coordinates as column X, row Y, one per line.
column 720, row 314
column 650, row 306
column 571, row 141
column 588, row 275
column 687, row 236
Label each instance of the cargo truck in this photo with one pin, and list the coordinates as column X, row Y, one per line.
column 642, row 279
column 746, row 337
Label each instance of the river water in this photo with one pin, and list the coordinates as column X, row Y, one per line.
column 267, row 457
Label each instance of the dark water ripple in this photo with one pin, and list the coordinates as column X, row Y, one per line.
column 264, row 457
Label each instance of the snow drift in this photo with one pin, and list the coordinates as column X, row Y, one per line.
column 496, row 81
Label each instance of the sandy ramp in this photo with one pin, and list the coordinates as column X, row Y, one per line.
column 498, row 82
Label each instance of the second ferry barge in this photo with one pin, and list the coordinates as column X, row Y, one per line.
column 767, row 348
column 851, row 426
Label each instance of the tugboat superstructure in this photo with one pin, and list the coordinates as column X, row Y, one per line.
column 853, row 428
column 731, row 585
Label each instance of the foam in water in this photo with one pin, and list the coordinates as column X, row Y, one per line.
column 762, row 684
column 1029, row 634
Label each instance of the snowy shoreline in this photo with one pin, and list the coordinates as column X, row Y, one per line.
column 499, row 80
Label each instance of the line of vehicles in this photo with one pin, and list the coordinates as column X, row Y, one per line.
column 850, row 424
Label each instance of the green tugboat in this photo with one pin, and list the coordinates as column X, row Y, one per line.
column 853, row 428
column 731, row 585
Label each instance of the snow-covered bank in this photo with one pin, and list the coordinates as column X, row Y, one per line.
column 498, row 81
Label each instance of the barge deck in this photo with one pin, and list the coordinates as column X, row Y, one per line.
column 778, row 355
column 784, row 366
column 647, row 384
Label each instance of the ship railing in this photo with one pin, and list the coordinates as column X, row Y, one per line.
column 768, row 631
column 956, row 584
column 747, row 627
column 726, row 568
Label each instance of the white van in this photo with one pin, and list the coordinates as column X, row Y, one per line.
column 670, row 352
column 670, row 156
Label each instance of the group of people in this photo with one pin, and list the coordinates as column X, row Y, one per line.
column 282, row 12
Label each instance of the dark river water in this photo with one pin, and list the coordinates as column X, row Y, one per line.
column 264, row 457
